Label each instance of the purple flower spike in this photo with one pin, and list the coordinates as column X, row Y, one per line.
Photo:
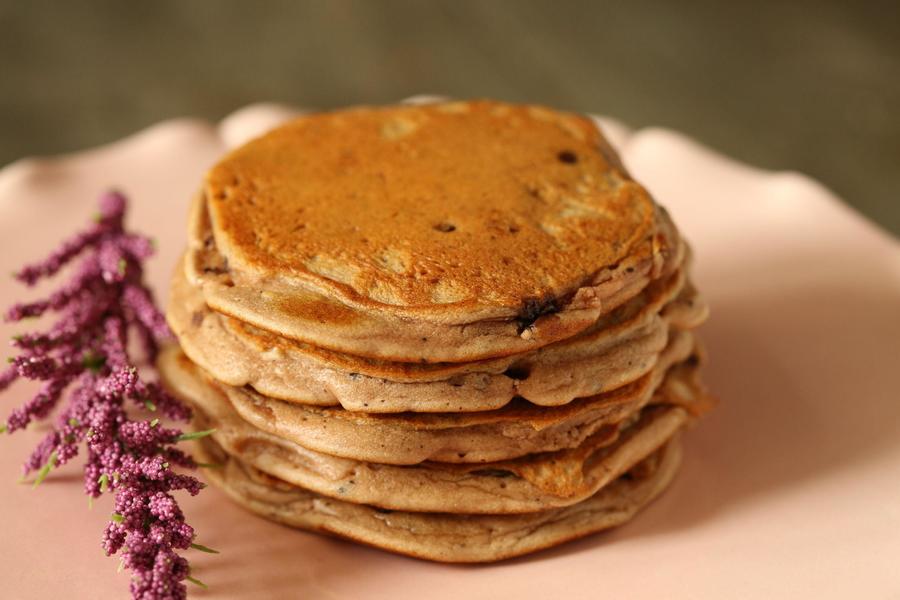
column 83, row 359
column 8, row 376
column 112, row 206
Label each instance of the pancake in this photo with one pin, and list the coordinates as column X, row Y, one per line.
column 458, row 330
column 308, row 316
column 186, row 300
column 440, row 536
column 448, row 212
column 610, row 328
column 517, row 429
column 620, row 348
column 532, row 483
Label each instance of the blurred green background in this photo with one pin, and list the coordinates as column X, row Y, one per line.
column 811, row 86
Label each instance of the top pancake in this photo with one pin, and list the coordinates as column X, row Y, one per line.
column 457, row 212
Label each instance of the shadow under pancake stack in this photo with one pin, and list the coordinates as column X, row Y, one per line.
column 458, row 331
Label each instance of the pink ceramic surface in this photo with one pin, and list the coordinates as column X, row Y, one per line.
column 791, row 489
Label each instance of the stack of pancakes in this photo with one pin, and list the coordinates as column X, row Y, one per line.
column 458, row 331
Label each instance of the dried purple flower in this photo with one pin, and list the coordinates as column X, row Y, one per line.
column 85, row 352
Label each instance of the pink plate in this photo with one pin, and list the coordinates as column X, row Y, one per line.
column 791, row 489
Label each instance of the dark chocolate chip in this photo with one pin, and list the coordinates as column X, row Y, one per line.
column 568, row 157
column 532, row 308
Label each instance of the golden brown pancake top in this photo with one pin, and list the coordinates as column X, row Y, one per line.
column 467, row 204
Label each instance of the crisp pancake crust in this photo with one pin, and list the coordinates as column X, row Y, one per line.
column 436, row 208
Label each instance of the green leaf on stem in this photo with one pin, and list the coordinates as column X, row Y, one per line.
column 194, row 435
column 45, row 470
